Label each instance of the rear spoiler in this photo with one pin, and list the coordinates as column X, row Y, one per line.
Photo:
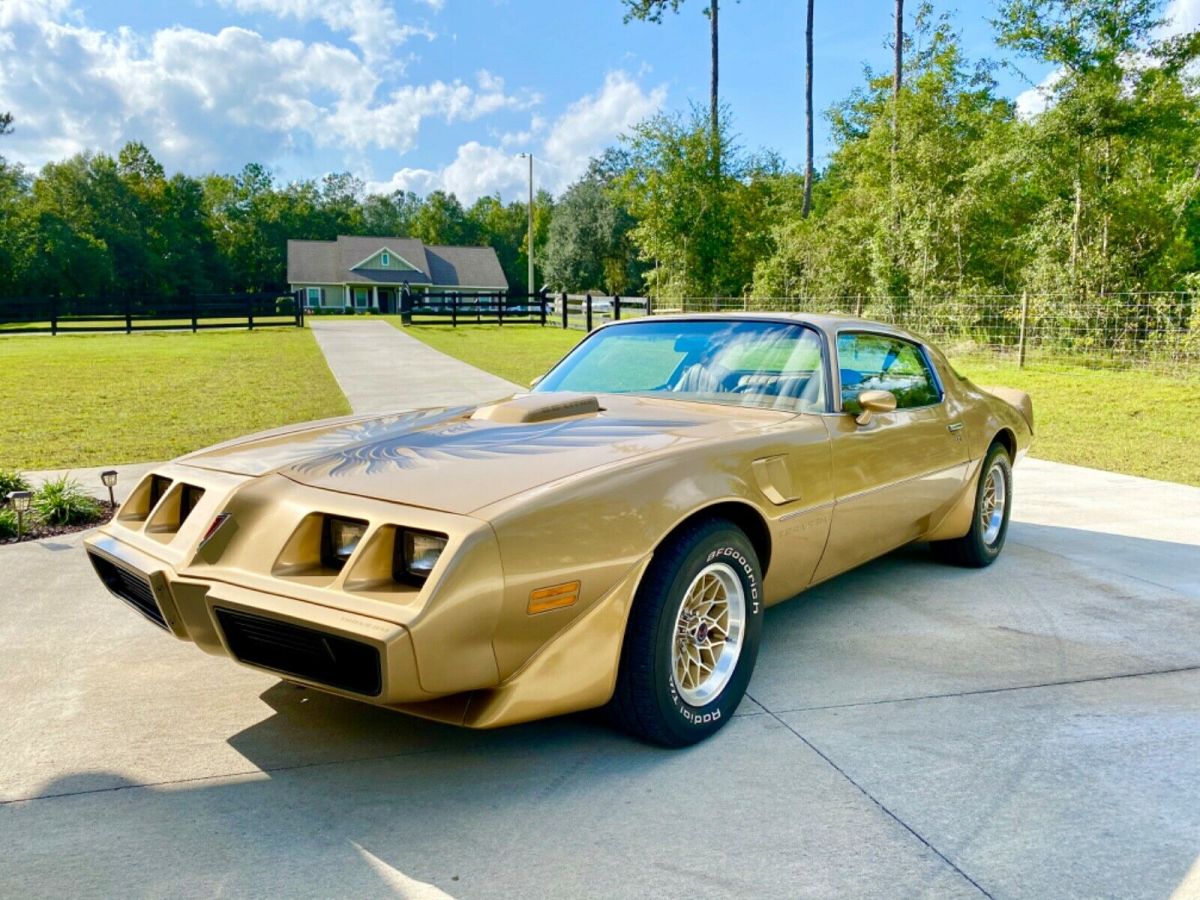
column 1019, row 400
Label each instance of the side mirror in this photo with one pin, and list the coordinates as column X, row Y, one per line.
column 535, row 382
column 873, row 402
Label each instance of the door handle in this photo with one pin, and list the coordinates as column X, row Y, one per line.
column 954, row 427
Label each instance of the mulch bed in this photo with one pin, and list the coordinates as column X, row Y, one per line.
column 36, row 531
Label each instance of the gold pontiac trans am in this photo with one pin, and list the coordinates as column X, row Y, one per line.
column 610, row 538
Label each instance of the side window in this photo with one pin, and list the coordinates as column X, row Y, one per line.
column 876, row 362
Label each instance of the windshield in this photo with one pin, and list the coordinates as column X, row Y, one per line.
column 765, row 364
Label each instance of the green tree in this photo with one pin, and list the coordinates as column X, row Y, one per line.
column 442, row 220
column 502, row 227
column 653, row 11
column 1111, row 157
column 589, row 247
column 14, row 245
column 14, row 190
column 953, row 181
column 341, row 204
column 391, row 214
column 697, row 230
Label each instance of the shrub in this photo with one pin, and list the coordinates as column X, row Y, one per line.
column 8, row 523
column 11, row 480
column 63, row 501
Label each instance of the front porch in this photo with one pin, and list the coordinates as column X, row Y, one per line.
column 373, row 296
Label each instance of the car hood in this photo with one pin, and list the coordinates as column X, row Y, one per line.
column 464, row 458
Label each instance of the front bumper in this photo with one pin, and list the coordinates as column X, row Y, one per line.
column 245, row 593
column 335, row 650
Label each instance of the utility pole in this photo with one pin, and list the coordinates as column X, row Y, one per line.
column 532, row 287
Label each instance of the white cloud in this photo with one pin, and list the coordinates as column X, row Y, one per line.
column 1034, row 100
column 371, row 24
column 524, row 137
column 586, row 127
column 394, row 123
column 1180, row 17
column 593, row 121
column 477, row 169
column 202, row 100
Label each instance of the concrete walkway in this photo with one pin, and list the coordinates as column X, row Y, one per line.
column 381, row 369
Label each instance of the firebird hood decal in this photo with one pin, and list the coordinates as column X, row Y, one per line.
column 444, row 459
column 271, row 451
column 470, row 441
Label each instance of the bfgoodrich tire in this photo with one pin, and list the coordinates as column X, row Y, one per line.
column 692, row 636
column 981, row 545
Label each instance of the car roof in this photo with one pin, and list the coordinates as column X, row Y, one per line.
column 828, row 323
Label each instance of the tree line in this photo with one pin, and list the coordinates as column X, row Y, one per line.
column 94, row 224
column 935, row 186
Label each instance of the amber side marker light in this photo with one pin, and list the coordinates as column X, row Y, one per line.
column 555, row 597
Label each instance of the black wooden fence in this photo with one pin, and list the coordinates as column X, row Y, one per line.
column 502, row 307
column 130, row 313
column 496, row 308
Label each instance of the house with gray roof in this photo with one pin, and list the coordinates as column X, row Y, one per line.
column 370, row 272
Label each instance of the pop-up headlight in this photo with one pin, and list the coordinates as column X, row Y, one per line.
column 339, row 539
column 416, row 554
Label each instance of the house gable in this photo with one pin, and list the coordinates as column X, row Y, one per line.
column 387, row 260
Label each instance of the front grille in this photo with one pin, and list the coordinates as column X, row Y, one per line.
column 304, row 652
column 131, row 587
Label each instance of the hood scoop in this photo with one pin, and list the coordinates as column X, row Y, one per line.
column 527, row 408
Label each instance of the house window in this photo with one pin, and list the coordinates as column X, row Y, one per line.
column 360, row 298
column 385, row 260
column 314, row 296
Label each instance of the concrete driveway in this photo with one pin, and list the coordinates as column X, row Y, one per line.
column 1031, row 730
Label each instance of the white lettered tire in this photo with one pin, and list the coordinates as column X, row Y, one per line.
column 692, row 636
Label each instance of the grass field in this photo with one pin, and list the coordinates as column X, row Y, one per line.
column 86, row 400
column 1124, row 420
column 519, row 353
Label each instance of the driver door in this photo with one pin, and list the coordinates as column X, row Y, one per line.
column 897, row 475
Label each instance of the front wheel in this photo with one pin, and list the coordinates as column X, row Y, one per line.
column 981, row 545
column 692, row 636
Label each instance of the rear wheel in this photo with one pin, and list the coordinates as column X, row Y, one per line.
column 989, row 525
column 692, row 636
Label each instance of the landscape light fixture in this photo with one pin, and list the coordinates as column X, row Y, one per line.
column 19, row 501
column 109, row 478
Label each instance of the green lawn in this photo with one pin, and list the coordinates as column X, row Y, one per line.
column 86, row 400
column 1124, row 420
column 519, row 353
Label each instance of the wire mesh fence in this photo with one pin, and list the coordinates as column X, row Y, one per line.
column 1160, row 330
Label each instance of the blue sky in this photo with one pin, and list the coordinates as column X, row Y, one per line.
column 421, row 94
